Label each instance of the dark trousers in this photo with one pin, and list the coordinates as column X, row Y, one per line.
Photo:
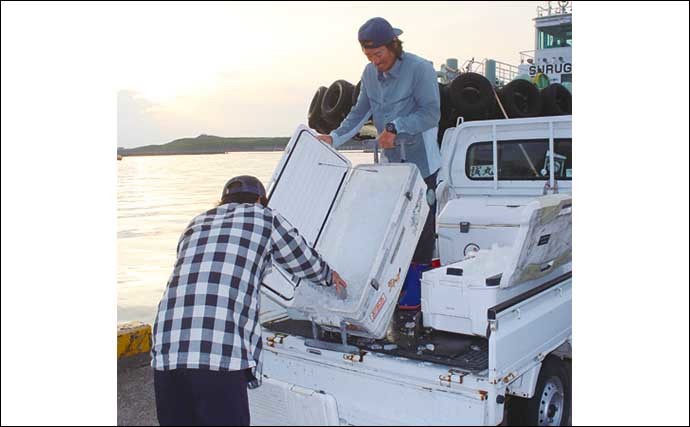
column 427, row 241
column 196, row 397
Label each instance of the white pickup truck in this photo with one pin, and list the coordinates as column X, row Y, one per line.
column 493, row 343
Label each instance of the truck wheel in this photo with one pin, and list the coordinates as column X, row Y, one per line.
column 550, row 405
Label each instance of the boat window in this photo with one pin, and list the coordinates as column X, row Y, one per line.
column 558, row 36
column 520, row 160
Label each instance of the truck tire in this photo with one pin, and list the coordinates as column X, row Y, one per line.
column 472, row 96
column 551, row 403
column 337, row 102
column 556, row 100
column 520, row 98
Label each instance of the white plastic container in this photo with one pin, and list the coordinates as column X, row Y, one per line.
column 456, row 297
column 469, row 224
column 365, row 221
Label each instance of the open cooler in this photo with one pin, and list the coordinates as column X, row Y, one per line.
column 469, row 224
column 456, row 297
column 365, row 221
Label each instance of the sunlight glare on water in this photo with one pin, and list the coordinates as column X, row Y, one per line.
column 157, row 196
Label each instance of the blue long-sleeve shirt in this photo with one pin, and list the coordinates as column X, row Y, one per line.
column 406, row 95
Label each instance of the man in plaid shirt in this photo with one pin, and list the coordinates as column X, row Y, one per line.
column 207, row 336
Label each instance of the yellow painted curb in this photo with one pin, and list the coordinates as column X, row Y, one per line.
column 133, row 338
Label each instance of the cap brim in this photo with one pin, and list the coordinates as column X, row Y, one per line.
column 397, row 31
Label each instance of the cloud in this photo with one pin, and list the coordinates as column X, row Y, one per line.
column 237, row 76
column 135, row 124
column 141, row 121
column 257, row 103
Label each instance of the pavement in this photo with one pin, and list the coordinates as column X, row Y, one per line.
column 136, row 404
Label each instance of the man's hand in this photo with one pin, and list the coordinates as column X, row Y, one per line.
column 340, row 286
column 325, row 138
column 387, row 139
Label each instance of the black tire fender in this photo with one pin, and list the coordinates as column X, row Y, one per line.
column 520, row 98
column 556, row 100
column 472, row 95
column 315, row 105
column 337, row 101
column 448, row 113
column 315, row 116
column 355, row 92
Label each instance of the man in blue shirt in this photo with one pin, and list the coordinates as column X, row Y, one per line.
column 400, row 90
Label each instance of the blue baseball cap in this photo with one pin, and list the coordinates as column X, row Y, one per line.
column 377, row 32
column 244, row 184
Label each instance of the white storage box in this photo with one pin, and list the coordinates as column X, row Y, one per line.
column 456, row 297
column 365, row 221
column 469, row 224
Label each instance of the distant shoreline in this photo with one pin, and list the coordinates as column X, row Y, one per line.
column 209, row 144
column 225, row 152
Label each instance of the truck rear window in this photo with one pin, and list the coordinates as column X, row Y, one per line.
column 520, row 160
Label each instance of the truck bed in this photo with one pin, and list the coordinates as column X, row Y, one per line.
column 467, row 353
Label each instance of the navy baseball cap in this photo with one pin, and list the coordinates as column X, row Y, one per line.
column 244, row 184
column 377, row 32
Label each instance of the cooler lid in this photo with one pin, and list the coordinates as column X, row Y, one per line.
column 545, row 243
column 303, row 188
column 479, row 211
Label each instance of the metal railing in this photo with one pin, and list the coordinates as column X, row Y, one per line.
column 504, row 72
column 562, row 8
column 447, row 74
column 527, row 54
column 472, row 66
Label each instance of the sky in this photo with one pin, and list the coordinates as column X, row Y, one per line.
column 251, row 69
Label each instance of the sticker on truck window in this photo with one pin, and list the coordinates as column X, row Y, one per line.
column 377, row 308
column 481, row 171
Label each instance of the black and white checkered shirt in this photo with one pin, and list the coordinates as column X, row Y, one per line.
column 208, row 317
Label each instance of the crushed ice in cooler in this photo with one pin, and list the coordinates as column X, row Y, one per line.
column 354, row 235
column 486, row 262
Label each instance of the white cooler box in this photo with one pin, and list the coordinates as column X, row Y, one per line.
column 456, row 297
column 469, row 224
column 365, row 221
